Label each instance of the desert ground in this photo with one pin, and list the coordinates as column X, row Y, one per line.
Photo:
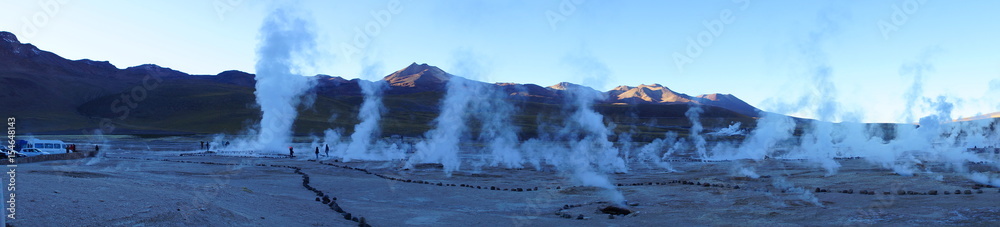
column 148, row 182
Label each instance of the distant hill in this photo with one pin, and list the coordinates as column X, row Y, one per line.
column 52, row 95
column 980, row 117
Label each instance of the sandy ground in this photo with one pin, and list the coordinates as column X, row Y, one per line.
column 146, row 183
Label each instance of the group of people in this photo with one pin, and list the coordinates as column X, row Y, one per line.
column 291, row 152
column 208, row 146
column 71, row 148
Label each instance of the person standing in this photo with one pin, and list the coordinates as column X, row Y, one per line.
column 317, row 154
column 327, row 150
column 97, row 148
column 291, row 152
column 202, row 145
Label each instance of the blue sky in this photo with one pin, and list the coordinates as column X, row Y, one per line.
column 766, row 52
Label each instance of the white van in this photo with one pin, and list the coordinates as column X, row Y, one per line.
column 46, row 146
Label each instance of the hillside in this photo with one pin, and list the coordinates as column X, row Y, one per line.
column 49, row 94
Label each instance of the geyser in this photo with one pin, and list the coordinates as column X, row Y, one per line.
column 441, row 144
column 590, row 155
column 286, row 42
column 370, row 114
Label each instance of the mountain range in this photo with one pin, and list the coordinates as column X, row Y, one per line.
column 49, row 94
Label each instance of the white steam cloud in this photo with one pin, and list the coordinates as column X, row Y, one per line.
column 286, row 42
